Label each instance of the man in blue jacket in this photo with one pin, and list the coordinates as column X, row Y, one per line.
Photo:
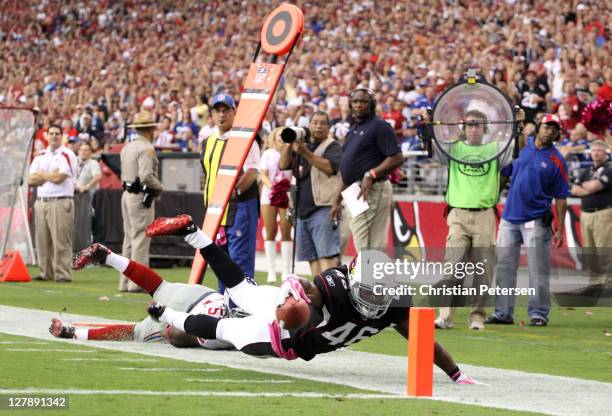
column 538, row 176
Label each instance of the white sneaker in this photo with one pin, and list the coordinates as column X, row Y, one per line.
column 271, row 277
column 477, row 325
column 442, row 324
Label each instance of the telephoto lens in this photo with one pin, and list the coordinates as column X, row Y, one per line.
column 291, row 134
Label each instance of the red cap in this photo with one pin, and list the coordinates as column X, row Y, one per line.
column 551, row 119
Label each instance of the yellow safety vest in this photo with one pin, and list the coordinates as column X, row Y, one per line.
column 211, row 158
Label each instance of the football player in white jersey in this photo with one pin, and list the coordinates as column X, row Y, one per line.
column 192, row 299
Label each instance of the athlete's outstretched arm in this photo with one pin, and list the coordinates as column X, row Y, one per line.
column 442, row 358
column 313, row 293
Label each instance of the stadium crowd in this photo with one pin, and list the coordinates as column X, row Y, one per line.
column 90, row 66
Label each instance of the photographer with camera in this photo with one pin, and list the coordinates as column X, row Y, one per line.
column 315, row 158
column 140, row 187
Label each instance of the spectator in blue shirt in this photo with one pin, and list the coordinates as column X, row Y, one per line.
column 410, row 140
column 186, row 121
column 538, row 176
column 419, row 107
column 574, row 146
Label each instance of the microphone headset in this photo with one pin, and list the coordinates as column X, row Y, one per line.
column 476, row 114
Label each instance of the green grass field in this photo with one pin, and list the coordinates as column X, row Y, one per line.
column 49, row 370
column 573, row 345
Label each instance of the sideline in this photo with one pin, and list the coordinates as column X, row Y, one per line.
column 506, row 389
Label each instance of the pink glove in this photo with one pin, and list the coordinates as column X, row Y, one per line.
column 221, row 239
column 291, row 287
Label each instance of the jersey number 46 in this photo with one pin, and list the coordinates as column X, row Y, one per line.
column 340, row 334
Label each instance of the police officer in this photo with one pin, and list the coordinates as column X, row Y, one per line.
column 140, row 185
column 595, row 189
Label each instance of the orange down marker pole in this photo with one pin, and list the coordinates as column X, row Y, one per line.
column 421, row 351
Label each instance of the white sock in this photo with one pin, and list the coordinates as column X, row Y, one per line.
column 174, row 318
column 117, row 262
column 198, row 239
column 287, row 256
column 270, row 249
column 81, row 333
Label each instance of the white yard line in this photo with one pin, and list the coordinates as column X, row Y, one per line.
column 506, row 389
column 47, row 350
column 305, row 394
column 236, row 380
column 116, row 360
column 203, row 370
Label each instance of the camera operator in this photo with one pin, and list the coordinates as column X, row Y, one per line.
column 140, row 185
column 316, row 169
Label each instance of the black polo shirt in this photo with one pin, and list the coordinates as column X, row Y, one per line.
column 603, row 198
column 367, row 144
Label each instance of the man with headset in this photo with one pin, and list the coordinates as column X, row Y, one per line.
column 472, row 194
column 370, row 152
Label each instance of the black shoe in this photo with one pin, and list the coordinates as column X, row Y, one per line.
column 586, row 296
column 41, row 279
column 538, row 322
column 586, row 291
column 155, row 310
column 94, row 254
column 496, row 321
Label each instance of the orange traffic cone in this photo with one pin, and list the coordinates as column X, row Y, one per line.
column 13, row 269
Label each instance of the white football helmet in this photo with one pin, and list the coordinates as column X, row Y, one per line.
column 235, row 311
column 212, row 305
column 361, row 290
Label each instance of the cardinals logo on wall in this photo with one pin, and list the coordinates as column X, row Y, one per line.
column 407, row 238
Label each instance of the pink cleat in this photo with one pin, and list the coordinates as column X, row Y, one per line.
column 464, row 380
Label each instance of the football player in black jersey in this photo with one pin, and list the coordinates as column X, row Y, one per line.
column 343, row 309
